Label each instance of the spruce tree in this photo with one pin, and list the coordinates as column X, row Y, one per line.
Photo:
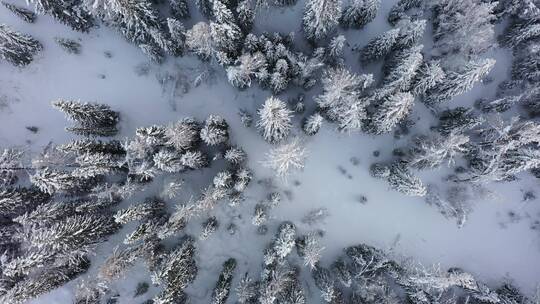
column 458, row 120
column 70, row 13
column 51, row 181
column 177, row 32
column 274, row 120
column 286, row 158
column 459, row 82
column 88, row 114
column 431, row 152
column 226, row 35
column 380, row 46
column 199, row 40
column 401, row 70
column 358, row 13
column 402, row 180
column 398, row 11
column 223, row 285
column 312, row 124
column 320, row 18
column 429, row 75
column 21, row 12
column 179, row 9
column 410, row 33
column 215, row 131
column 169, row 161
column 17, row 48
column 391, row 111
column 242, row 75
column 325, row 282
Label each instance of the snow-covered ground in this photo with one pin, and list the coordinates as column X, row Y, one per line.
column 493, row 244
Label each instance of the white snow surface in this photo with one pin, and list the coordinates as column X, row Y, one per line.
column 490, row 245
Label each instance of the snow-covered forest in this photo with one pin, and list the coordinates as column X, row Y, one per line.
column 270, row 151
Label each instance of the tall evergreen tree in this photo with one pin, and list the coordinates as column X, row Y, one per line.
column 391, row 111
column 274, row 120
column 223, row 286
column 380, row 46
column 21, row 12
column 179, row 9
column 70, row 13
column 358, row 13
column 320, row 18
column 17, row 48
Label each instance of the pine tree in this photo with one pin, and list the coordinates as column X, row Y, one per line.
column 458, row 120
column 274, row 120
column 520, row 32
column 17, row 48
column 325, row 282
column 429, row 75
column 391, row 112
column 223, row 180
column 459, row 82
column 410, row 33
column 209, row 227
column 215, row 130
column 88, row 114
column 245, row 15
column 223, row 285
column 226, row 35
column 235, row 156
column 359, row 13
column 177, row 34
column 169, row 161
column 398, row 11
column 145, row 210
column 309, row 248
column 84, row 146
column 21, row 12
column 73, row 233
column 199, row 40
column 464, row 27
column 194, row 160
column 380, row 46
column 70, row 13
column 342, row 272
column 205, row 7
column 246, row 290
column 178, row 268
column 400, row 71
column 179, row 9
column 341, row 98
column 15, row 201
column 431, row 152
column 153, row 52
column 320, row 18
column 284, row 241
column 286, row 158
column 118, row 263
column 50, row 181
column 249, row 65
column 95, row 164
column 401, row 180
column 333, row 54
column 92, row 131
column 312, row 124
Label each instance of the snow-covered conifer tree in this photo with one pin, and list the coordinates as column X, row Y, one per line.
column 286, row 158
column 342, row 272
column 169, row 161
column 223, row 285
column 410, row 33
column 458, row 120
column 398, row 11
column 246, row 290
column 248, row 66
column 463, row 27
column 459, row 82
column 391, row 111
column 139, row 211
column 245, row 15
column 209, row 227
column 223, row 179
column 309, row 248
column 325, row 282
column 284, row 241
column 226, row 35
column 17, row 48
column 51, row 181
column 179, row 9
column 380, row 46
column 183, row 135
column 235, row 155
column 312, row 124
column 320, row 18
column 358, row 13
column 402, row 180
column 178, row 268
column 88, row 114
column 199, row 40
column 21, row 12
column 429, row 75
column 215, row 130
column 70, row 13
column 177, row 32
column 400, row 71
column 341, row 98
column 431, row 152
column 274, row 120
column 194, row 159
column 95, row 164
